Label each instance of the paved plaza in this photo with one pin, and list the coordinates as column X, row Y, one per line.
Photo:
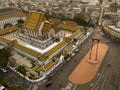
column 85, row 70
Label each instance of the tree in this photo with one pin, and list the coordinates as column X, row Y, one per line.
column 2, row 81
column 21, row 69
column 15, row 88
column 12, row 43
column 80, row 20
column 7, row 25
column 5, row 53
column 85, row 31
column 20, row 23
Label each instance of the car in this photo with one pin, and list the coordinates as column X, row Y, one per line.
column 48, row 84
column 68, row 59
column 4, row 70
column 73, row 54
column 76, row 50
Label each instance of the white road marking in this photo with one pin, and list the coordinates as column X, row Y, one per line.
column 91, row 84
column 98, row 74
column 105, row 79
column 74, row 87
column 93, row 88
column 69, row 86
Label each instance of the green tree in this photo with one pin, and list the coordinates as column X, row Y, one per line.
column 2, row 82
column 80, row 20
column 5, row 53
column 7, row 25
column 85, row 31
column 15, row 88
column 20, row 23
column 21, row 69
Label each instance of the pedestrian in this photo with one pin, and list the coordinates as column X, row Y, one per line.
column 75, row 60
column 60, row 85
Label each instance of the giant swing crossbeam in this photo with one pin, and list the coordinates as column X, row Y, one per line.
column 93, row 57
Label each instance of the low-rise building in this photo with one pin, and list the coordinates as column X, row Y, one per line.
column 10, row 15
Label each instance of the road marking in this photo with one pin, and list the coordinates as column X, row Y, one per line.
column 30, row 87
column 98, row 74
column 96, row 88
column 105, row 79
column 74, row 87
column 91, row 84
column 107, row 83
column 69, row 86
column 35, row 88
column 93, row 88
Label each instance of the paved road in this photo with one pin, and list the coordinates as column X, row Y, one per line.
column 15, row 79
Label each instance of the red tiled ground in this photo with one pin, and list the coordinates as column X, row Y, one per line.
column 85, row 71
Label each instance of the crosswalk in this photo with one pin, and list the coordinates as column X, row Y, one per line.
column 69, row 86
column 33, row 88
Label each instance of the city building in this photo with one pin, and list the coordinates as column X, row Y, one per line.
column 112, row 31
column 38, row 30
column 10, row 15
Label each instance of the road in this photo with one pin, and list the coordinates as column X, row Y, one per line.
column 15, row 79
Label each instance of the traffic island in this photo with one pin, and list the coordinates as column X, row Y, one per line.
column 87, row 68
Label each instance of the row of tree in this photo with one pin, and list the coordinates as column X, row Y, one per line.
column 19, row 24
column 5, row 53
column 8, row 86
column 77, row 18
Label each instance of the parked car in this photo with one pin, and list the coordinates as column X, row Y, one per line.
column 2, row 69
column 48, row 84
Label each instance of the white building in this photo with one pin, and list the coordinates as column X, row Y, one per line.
column 10, row 15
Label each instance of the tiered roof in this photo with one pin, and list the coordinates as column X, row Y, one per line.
column 8, row 30
column 34, row 20
column 67, row 27
column 67, row 50
column 5, row 10
column 71, row 23
column 48, row 65
column 75, row 34
column 54, row 21
column 4, row 40
column 82, row 36
column 54, row 49
column 47, row 26
column 27, row 50
column 10, row 13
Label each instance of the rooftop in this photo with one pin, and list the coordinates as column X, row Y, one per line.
column 67, row 27
column 8, row 30
column 5, row 10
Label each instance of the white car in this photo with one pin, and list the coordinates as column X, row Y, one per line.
column 76, row 50
column 4, row 70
